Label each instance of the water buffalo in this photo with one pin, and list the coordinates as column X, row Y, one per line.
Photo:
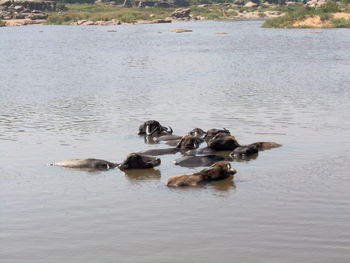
column 88, row 164
column 222, row 142
column 262, row 146
column 173, row 140
column 132, row 161
column 207, row 156
column 251, row 150
column 154, row 128
column 186, row 143
column 139, row 161
column 196, row 161
column 218, row 171
column 213, row 132
column 243, row 152
column 197, row 132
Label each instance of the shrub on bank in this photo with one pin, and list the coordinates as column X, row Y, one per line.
column 292, row 15
column 295, row 14
column 2, row 23
column 95, row 12
column 341, row 22
column 329, row 7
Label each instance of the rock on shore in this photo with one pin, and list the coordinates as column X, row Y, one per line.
column 23, row 12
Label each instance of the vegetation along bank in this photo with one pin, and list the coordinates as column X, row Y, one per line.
column 278, row 13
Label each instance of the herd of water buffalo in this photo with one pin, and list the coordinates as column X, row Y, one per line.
column 221, row 148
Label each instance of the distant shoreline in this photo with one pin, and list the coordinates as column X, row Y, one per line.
column 27, row 22
column 329, row 15
column 102, row 14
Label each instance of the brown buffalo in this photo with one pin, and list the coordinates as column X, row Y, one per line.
column 189, row 142
column 197, row 132
column 262, row 146
column 213, row 132
column 217, row 171
column 222, row 142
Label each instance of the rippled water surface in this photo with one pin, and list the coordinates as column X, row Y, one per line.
column 78, row 92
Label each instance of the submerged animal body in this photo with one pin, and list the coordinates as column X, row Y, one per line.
column 218, row 171
column 139, row 161
column 186, row 143
column 93, row 164
column 168, row 138
column 243, row 152
column 132, row 161
column 247, row 151
column 173, row 140
column 154, row 128
column 155, row 152
column 262, row 146
column 197, row 161
column 207, row 156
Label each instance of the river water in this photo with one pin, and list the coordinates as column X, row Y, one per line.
column 79, row 92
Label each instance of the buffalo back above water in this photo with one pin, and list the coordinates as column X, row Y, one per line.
column 221, row 142
column 217, row 171
column 213, row 132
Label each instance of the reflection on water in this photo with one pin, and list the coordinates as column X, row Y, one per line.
column 75, row 92
column 144, row 174
column 150, row 140
column 224, row 185
column 247, row 158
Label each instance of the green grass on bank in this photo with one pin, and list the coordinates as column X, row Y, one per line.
column 341, row 23
column 299, row 13
column 96, row 12
column 2, row 23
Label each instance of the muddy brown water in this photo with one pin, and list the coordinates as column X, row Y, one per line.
column 79, row 92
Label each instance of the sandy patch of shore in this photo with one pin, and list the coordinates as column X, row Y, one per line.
column 341, row 15
column 314, row 22
column 317, row 22
column 23, row 22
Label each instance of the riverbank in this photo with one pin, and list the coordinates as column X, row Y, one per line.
column 328, row 15
column 107, row 14
column 321, row 15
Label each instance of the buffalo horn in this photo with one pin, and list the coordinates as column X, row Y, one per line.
column 154, row 130
column 147, row 130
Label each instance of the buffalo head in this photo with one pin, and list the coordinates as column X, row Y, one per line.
column 139, row 161
column 154, row 128
column 243, row 152
column 197, row 132
column 188, row 142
